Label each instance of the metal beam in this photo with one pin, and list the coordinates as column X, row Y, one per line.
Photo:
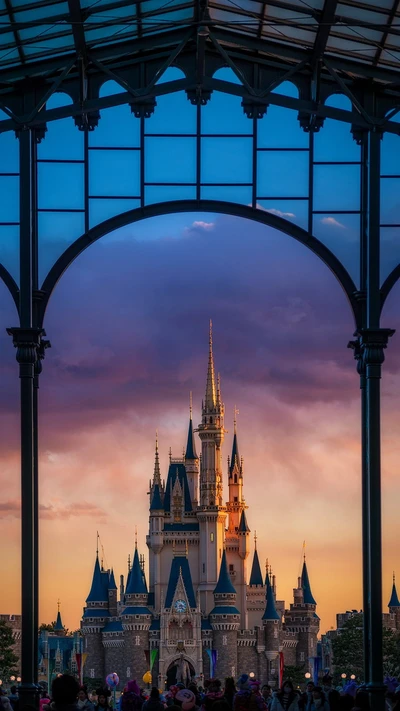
column 77, row 20
column 381, row 48
column 326, row 21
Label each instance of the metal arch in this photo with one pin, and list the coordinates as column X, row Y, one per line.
column 388, row 284
column 216, row 206
column 11, row 285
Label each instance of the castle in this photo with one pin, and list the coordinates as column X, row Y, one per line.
column 205, row 612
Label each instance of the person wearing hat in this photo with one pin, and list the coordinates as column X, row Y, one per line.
column 132, row 700
column 186, row 700
column 248, row 697
column 213, row 693
column 83, row 703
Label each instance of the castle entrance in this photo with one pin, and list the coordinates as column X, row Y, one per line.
column 180, row 670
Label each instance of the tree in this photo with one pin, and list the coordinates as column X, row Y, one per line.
column 348, row 654
column 295, row 674
column 8, row 659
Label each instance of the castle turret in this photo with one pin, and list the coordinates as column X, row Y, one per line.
column 302, row 618
column 394, row 605
column 95, row 617
column 136, row 619
column 59, row 627
column 271, row 623
column 225, row 622
column 211, row 513
column 235, row 482
column 192, row 461
column 112, row 595
column 155, row 539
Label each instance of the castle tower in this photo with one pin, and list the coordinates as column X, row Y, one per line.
column 112, row 595
column 394, row 604
column 95, row 616
column 59, row 630
column 136, row 620
column 225, row 622
column 211, row 514
column 192, row 461
column 241, row 580
column 235, row 504
column 255, row 591
column 303, row 618
column 271, row 623
column 155, row 540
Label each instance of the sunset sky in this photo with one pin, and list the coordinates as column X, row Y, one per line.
column 128, row 324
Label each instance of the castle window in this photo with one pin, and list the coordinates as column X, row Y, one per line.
column 235, row 498
column 231, row 568
column 235, row 478
column 137, row 641
column 302, row 656
column 212, row 537
column 233, row 671
column 225, row 640
column 210, row 420
column 91, row 674
column 128, row 672
column 204, row 567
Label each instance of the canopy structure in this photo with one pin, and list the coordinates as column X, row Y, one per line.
column 125, row 109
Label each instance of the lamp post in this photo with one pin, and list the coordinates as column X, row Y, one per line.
column 352, row 677
column 251, row 675
column 307, row 675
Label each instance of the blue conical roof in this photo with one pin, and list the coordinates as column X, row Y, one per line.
column 394, row 600
column 235, row 459
column 59, row 625
column 271, row 612
column 112, row 585
column 98, row 593
column 305, row 583
column 191, row 444
column 243, row 527
column 224, row 584
column 136, row 584
column 156, row 503
column 256, row 576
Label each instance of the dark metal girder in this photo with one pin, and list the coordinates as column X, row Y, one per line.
column 77, row 19
column 326, row 21
column 381, row 48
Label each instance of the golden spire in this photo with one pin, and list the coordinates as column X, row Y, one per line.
column 170, row 455
column 157, row 473
column 135, row 538
column 304, row 551
column 235, row 412
column 58, row 604
column 210, row 399
column 191, row 405
column 255, row 540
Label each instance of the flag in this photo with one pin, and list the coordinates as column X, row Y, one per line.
column 317, row 661
column 281, row 668
column 147, row 655
column 78, row 658
column 153, row 657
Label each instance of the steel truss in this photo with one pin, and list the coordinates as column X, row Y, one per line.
column 261, row 67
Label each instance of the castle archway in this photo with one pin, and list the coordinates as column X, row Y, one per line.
column 173, row 670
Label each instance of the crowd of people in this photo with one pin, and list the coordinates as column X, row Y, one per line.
column 246, row 694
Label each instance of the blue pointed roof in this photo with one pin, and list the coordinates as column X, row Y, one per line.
column 156, row 503
column 224, row 584
column 191, row 445
column 136, row 585
column 243, row 526
column 98, row 591
column 111, row 583
column 225, row 610
column 59, row 625
column 271, row 612
column 115, row 626
column 256, row 575
column 394, row 600
column 174, row 468
column 180, row 563
column 235, row 459
column 305, row 584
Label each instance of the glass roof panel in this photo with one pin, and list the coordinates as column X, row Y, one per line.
column 385, row 4
column 157, row 5
column 42, row 32
column 7, row 39
column 38, row 13
column 116, row 14
column 108, row 33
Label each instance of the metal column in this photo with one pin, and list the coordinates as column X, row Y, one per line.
column 26, row 339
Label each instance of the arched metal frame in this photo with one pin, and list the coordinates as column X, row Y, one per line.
column 199, row 46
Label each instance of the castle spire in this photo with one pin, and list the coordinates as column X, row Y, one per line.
column 271, row 612
column 224, row 584
column 235, row 459
column 157, row 473
column 136, row 584
column 305, row 584
column 256, row 575
column 394, row 600
column 190, row 445
column 58, row 627
column 211, row 398
column 98, row 592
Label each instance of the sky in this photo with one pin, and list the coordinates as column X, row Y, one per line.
column 128, row 323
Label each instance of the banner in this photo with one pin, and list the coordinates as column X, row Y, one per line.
column 78, row 658
column 281, row 669
column 213, row 654
column 147, row 655
column 153, row 657
column 316, row 666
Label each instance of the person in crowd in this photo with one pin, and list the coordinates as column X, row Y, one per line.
column 64, row 693
column 132, row 699
column 331, row 694
column 286, row 699
column 83, row 703
column 318, row 701
column 44, row 700
column 193, row 687
column 229, row 690
column 266, row 692
column 213, row 693
column 5, row 703
column 14, row 698
column 221, row 705
column 153, row 703
column 361, row 701
column 103, row 696
column 186, row 700
column 248, row 697
column 306, row 697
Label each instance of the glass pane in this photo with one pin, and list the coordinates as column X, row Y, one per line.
column 336, row 187
column 173, row 114
column 390, row 201
column 62, row 139
column 170, row 160
column 390, row 154
column 340, row 233
column 9, row 151
column 117, row 127
column 9, row 202
column 282, row 174
column 334, row 142
column 60, row 185
column 226, row 160
column 100, row 210
column 162, row 193
column 280, row 128
column 293, row 210
column 390, row 250
column 227, row 193
column 114, row 173
column 9, row 249
column 224, row 114
column 57, row 230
